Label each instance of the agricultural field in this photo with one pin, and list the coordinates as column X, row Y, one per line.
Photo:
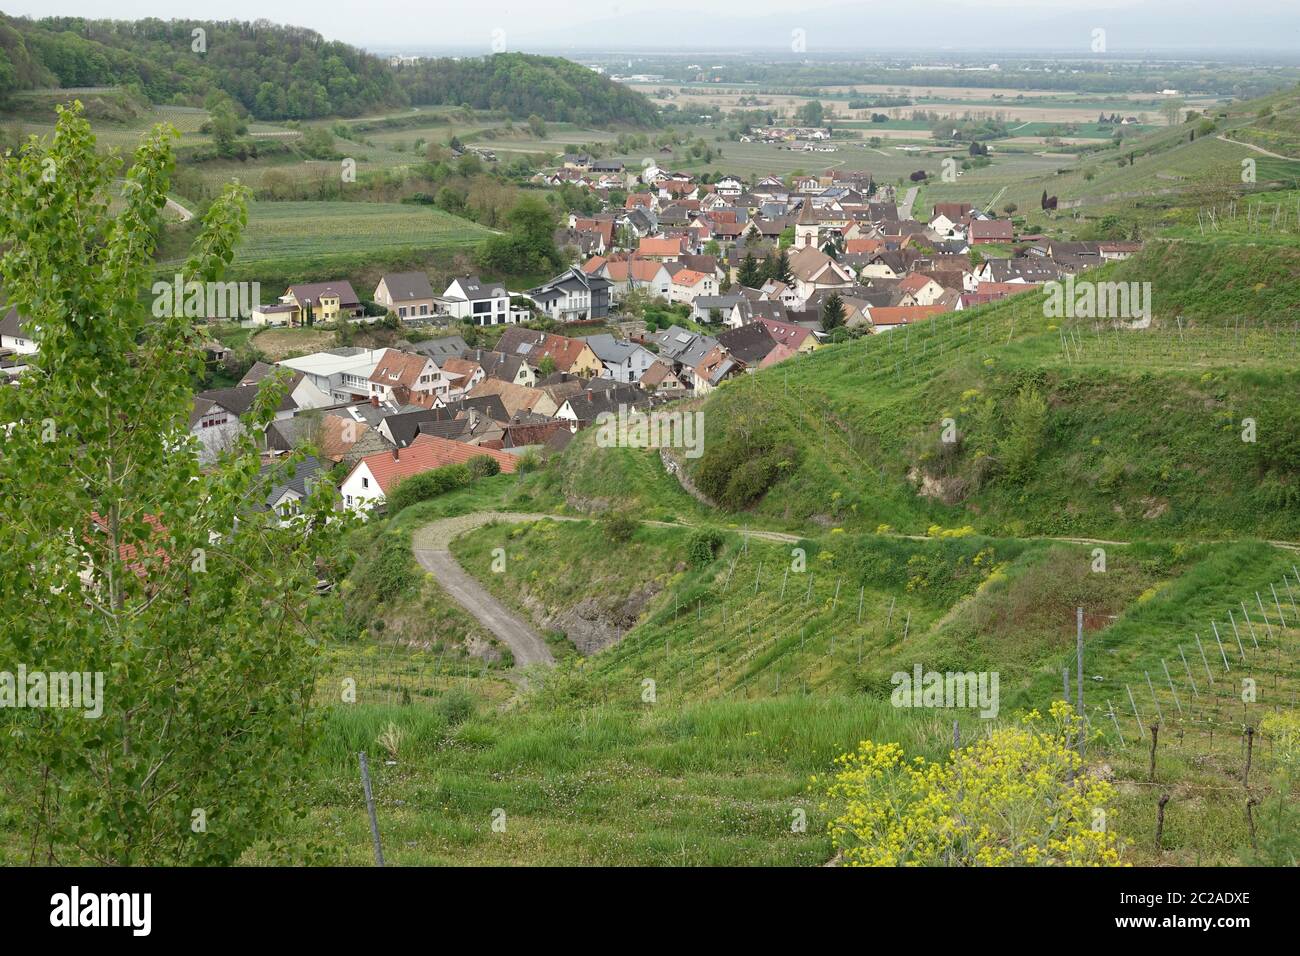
column 305, row 229
column 979, row 102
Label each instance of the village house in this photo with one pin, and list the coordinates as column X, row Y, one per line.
column 406, row 294
column 660, row 379
column 812, row 269
column 626, row 274
column 342, row 373
column 923, row 289
column 748, row 344
column 570, row 355
column 374, row 477
column 447, row 346
column 298, row 386
column 398, row 376
column 985, row 231
column 797, row 338
column 321, row 302
column 462, row 375
column 687, row 284
column 516, row 398
column 218, row 418
column 286, row 494
column 469, row 297
column 573, row 296
column 623, row 361
column 503, row 366
column 16, row 335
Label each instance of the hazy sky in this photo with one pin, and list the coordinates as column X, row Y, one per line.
column 665, row 24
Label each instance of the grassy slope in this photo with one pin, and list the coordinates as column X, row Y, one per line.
column 866, row 414
column 589, row 771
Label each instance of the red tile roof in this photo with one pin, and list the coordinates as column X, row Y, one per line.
column 991, row 230
column 399, row 368
column 425, row 453
column 902, row 314
column 656, row 246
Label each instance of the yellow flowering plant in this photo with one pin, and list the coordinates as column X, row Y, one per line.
column 1018, row 797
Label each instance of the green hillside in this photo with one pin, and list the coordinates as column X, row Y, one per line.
column 1138, row 433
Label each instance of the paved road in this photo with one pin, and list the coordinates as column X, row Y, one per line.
column 905, row 207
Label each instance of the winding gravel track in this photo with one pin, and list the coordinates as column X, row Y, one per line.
column 431, row 545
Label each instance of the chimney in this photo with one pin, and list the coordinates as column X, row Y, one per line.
column 397, row 455
column 374, row 400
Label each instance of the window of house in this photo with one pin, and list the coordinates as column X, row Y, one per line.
column 365, row 482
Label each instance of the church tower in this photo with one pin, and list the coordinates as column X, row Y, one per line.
column 807, row 228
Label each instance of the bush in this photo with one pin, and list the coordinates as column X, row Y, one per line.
column 620, row 526
column 738, row 470
column 702, row 547
column 427, row 485
column 456, row 705
column 1016, row 798
column 483, row 466
column 1021, row 447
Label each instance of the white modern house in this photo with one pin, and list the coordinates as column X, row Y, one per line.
column 484, row 303
column 343, row 373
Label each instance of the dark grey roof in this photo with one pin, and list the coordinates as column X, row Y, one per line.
column 503, row 366
column 589, row 405
column 405, row 286
column 264, row 370
column 12, row 325
column 489, row 405
column 749, row 343
column 238, row 400
column 448, row 346
column 404, row 426
column 299, row 480
column 572, row 279
column 476, row 288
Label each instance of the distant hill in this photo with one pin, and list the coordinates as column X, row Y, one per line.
column 275, row 72
column 521, row 84
column 285, row 73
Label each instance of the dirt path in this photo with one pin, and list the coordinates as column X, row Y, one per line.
column 1258, row 149
column 180, row 210
column 431, row 545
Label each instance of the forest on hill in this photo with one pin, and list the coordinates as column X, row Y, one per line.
column 521, row 84
column 277, row 72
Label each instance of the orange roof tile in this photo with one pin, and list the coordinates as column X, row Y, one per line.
column 425, row 453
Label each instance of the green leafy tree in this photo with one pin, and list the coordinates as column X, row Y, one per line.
column 529, row 246
column 120, row 555
column 1021, row 447
column 811, row 113
column 749, row 274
